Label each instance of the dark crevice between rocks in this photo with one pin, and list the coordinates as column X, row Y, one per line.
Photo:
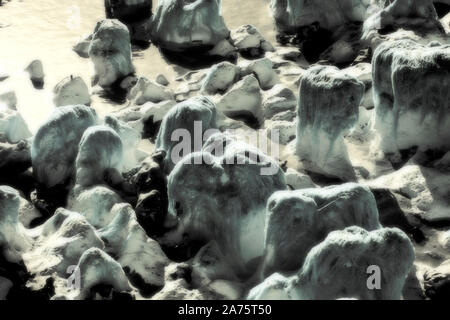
column 145, row 289
column 245, row 116
column 107, row 292
column 47, row 200
column 442, row 9
column 391, row 215
column 183, row 251
column 151, row 129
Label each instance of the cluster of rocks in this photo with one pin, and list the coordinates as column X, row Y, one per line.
column 217, row 217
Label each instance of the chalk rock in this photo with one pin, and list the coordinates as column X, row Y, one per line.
column 162, row 80
column 110, row 52
column 220, row 77
column 13, row 240
column 100, row 151
column 148, row 91
column 444, row 240
column 277, row 100
column 8, row 98
column 424, row 191
column 419, row 14
column 145, row 119
column 411, row 95
column 327, row 108
column 298, row 220
column 188, row 120
column 130, row 141
column 291, row 15
column 71, row 91
column 445, row 21
column 273, row 287
column 437, row 281
column 12, row 126
column 98, row 268
column 247, row 39
column 28, row 213
column 224, row 49
column 61, row 242
column 298, row 180
column 263, row 71
column 55, row 145
column 136, row 252
column 341, row 266
column 95, row 204
column 14, row 158
column 281, row 132
column 36, row 72
column 234, row 183
column 181, row 25
column 243, row 99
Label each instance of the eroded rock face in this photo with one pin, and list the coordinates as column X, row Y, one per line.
column 180, row 25
column 71, row 91
column 327, row 108
column 98, row 268
column 340, row 267
column 298, row 220
column 411, row 95
column 215, row 200
column 13, row 240
column 290, row 15
column 100, row 151
column 110, row 52
column 180, row 124
column 55, row 145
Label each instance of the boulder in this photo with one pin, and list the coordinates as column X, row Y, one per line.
column 220, row 78
column 327, row 109
column 188, row 120
column 12, row 125
column 221, row 194
column 298, row 180
column 110, row 52
column 298, row 220
column 248, row 40
column 55, row 145
column 148, row 91
column 71, row 91
column 263, row 71
column 186, row 24
column 411, row 96
column 278, row 99
column 36, row 73
column 100, row 151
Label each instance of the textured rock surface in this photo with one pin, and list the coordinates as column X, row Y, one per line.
column 327, row 108
column 110, row 52
column 12, row 125
column 411, row 95
column 55, row 145
column 213, row 200
column 71, row 91
column 148, row 91
column 298, row 220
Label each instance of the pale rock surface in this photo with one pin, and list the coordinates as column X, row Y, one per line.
column 180, row 25
column 71, row 91
column 55, row 145
column 149, row 91
column 183, row 118
column 298, row 220
column 411, row 95
column 110, row 52
column 100, row 151
column 162, row 80
column 298, row 180
column 95, row 204
column 278, row 99
column 220, row 78
column 12, row 125
column 282, row 132
column 212, row 200
column 8, row 98
column 243, row 98
column 14, row 241
column 263, row 71
column 327, row 109
column 247, row 38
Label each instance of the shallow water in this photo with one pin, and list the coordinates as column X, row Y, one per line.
column 48, row 29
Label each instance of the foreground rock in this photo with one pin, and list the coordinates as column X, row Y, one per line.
column 411, row 95
column 110, row 52
column 222, row 195
column 71, row 91
column 327, row 108
column 55, row 145
column 188, row 25
column 36, row 71
column 298, row 220
column 179, row 126
column 340, row 267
